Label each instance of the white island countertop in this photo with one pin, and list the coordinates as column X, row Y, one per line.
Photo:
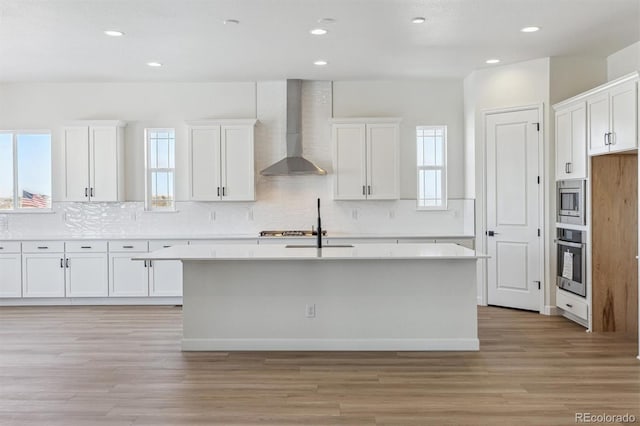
column 282, row 252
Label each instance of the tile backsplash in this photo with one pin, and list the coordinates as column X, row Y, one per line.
column 192, row 219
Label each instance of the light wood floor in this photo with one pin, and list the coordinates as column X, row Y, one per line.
column 123, row 366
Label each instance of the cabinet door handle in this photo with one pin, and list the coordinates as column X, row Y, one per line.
column 569, row 168
column 223, row 191
column 85, row 247
column 67, row 263
column 218, row 191
column 612, row 138
column 145, row 263
column 62, row 263
column 150, row 264
column 127, row 247
column 369, row 189
column 605, row 139
column 364, row 190
column 91, row 192
column 569, row 305
column 43, row 247
column 86, row 192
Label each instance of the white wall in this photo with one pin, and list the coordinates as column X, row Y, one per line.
column 623, row 61
column 521, row 84
column 282, row 202
column 418, row 102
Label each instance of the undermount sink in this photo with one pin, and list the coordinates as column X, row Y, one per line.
column 314, row 246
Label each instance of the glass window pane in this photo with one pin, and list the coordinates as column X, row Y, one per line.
column 34, row 170
column 153, row 150
column 438, row 160
column 162, row 189
column 6, row 171
column 163, row 152
column 172, row 151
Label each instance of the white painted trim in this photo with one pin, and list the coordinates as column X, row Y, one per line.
column 87, row 301
column 491, row 111
column 481, row 302
column 330, row 344
column 552, row 310
column 95, row 123
column 364, row 120
column 576, row 319
column 222, row 122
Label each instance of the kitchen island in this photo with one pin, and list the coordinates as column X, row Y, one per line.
column 365, row 297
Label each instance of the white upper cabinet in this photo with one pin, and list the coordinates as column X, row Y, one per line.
column 571, row 141
column 366, row 159
column 221, row 160
column 94, row 161
column 612, row 116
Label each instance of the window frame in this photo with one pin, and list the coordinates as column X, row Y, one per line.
column 442, row 168
column 14, row 164
column 148, row 170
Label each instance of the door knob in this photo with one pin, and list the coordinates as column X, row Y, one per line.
column 491, row 233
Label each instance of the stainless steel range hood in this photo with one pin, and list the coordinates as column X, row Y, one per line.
column 293, row 163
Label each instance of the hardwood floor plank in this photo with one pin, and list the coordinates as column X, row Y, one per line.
column 123, row 366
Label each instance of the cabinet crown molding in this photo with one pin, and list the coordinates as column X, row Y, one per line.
column 95, row 123
column 606, row 86
column 222, row 122
column 351, row 120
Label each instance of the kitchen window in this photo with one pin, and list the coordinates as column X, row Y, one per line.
column 160, row 169
column 432, row 167
column 25, row 170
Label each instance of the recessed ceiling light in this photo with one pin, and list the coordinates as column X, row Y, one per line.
column 530, row 29
column 114, row 33
column 318, row 31
column 231, row 21
column 418, row 20
column 320, row 63
column 154, row 64
column 326, row 21
column 492, row 61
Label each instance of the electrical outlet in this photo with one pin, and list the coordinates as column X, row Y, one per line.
column 212, row 216
column 310, row 310
column 354, row 214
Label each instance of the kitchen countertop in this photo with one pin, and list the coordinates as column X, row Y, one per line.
column 224, row 237
column 280, row 252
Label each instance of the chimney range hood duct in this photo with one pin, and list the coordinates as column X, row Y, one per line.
column 293, row 164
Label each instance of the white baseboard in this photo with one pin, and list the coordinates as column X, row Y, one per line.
column 330, row 344
column 552, row 310
column 87, row 301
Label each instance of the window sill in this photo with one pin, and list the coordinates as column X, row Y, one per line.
column 432, row 209
column 39, row 211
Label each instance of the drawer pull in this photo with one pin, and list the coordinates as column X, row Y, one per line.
column 85, row 247
column 43, row 247
column 1, row 248
column 166, row 246
column 127, row 246
column 569, row 305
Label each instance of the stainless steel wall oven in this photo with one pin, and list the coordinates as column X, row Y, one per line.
column 572, row 268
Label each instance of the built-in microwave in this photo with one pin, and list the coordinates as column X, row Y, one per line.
column 570, row 203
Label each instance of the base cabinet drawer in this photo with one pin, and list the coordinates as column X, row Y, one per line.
column 571, row 304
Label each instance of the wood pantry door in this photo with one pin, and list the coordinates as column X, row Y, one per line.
column 513, row 206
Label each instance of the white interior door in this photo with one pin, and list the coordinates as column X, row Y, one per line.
column 513, row 209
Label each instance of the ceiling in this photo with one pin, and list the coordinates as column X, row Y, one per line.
column 63, row 40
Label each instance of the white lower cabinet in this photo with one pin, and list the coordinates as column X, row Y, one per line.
column 86, row 275
column 165, row 277
column 128, row 278
column 11, row 275
column 43, row 275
